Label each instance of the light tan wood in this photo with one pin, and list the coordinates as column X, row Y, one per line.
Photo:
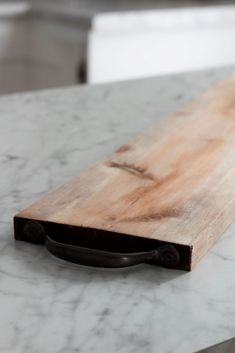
column 175, row 182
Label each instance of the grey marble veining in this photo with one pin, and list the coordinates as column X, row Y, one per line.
column 47, row 305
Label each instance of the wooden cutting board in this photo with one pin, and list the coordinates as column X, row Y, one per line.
column 173, row 184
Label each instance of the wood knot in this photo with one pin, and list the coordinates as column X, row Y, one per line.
column 132, row 169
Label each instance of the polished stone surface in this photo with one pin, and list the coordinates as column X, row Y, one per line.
column 51, row 306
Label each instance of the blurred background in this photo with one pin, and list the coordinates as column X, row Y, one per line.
column 53, row 43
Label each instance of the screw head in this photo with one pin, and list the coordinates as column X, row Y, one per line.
column 168, row 256
column 34, row 231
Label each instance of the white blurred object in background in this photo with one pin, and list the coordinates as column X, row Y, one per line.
column 139, row 44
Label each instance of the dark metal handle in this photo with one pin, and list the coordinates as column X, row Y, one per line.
column 167, row 255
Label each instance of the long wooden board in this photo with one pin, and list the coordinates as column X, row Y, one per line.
column 174, row 183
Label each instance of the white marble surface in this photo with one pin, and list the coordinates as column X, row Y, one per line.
column 47, row 305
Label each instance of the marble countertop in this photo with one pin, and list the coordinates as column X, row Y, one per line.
column 51, row 306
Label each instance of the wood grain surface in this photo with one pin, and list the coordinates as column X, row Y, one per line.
column 174, row 183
